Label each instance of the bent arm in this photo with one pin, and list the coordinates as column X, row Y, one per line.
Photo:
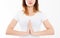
column 49, row 29
column 10, row 30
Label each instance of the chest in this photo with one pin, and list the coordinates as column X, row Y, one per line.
column 35, row 20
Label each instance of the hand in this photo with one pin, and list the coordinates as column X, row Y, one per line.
column 30, row 28
column 31, row 31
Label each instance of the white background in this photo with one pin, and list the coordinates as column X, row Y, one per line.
column 9, row 8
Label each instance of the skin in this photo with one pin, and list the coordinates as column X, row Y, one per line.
column 49, row 29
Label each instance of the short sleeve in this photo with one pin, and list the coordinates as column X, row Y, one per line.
column 16, row 16
column 44, row 17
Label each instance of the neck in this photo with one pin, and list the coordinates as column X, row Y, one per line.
column 30, row 9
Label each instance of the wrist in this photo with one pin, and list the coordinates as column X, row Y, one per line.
column 35, row 34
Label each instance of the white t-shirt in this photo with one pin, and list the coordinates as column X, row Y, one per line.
column 36, row 21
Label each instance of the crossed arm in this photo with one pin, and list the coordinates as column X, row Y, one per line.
column 49, row 29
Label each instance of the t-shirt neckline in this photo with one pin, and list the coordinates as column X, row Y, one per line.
column 31, row 15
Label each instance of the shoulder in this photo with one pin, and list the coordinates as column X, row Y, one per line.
column 18, row 15
column 20, row 12
column 41, row 13
column 43, row 16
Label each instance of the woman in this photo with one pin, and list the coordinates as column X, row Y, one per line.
column 30, row 20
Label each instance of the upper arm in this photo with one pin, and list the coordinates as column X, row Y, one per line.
column 11, row 25
column 46, row 21
column 13, row 22
column 47, row 24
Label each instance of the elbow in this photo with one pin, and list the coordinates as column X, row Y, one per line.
column 51, row 32
column 8, row 32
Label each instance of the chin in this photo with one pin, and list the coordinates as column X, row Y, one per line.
column 30, row 5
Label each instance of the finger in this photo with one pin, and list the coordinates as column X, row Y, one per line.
column 29, row 32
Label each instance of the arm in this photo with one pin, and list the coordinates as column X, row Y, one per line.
column 49, row 29
column 10, row 30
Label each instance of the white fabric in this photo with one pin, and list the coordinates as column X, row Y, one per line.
column 36, row 21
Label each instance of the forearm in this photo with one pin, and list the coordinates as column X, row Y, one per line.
column 45, row 32
column 17, row 33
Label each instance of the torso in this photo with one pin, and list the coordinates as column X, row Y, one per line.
column 35, row 19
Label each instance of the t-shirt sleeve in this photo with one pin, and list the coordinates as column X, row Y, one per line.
column 16, row 17
column 44, row 17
